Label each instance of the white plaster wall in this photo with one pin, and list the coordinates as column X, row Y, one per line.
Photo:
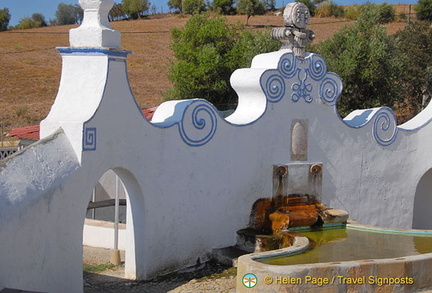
column 37, row 219
column 98, row 233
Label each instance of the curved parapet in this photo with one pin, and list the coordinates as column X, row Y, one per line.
column 385, row 129
column 283, row 76
column 197, row 119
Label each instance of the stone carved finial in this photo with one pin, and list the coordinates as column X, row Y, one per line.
column 294, row 36
column 95, row 30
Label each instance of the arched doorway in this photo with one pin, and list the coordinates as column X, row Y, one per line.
column 104, row 233
column 423, row 203
column 121, row 184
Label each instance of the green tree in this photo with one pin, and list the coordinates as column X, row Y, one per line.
column 135, row 8
column 386, row 12
column 207, row 50
column 250, row 8
column 68, row 14
column 224, row 6
column 39, row 18
column 415, row 45
column 248, row 45
column 193, row 6
column 424, row 10
column 4, row 18
column 176, row 5
column 366, row 58
column 36, row 20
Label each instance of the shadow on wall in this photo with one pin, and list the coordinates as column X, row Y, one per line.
column 423, row 203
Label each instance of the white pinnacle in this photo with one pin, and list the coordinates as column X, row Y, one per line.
column 95, row 30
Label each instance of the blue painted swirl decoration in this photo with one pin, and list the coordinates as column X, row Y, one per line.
column 306, row 79
column 330, row 89
column 317, row 67
column 199, row 123
column 275, row 88
column 288, row 65
column 385, row 127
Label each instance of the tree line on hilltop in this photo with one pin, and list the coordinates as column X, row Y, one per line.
column 135, row 9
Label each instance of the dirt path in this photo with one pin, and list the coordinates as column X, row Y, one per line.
column 210, row 277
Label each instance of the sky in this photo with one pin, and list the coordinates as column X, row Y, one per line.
column 25, row 8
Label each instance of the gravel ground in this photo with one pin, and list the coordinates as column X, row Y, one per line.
column 209, row 277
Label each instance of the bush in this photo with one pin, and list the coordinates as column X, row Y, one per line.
column 367, row 59
column 328, row 9
column 207, row 51
column 225, row 6
column 386, row 13
column 424, row 10
column 193, row 6
column 352, row 12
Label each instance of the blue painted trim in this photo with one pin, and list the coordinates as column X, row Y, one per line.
column 93, row 52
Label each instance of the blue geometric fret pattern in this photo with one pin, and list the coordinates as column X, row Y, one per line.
column 301, row 80
column 89, row 139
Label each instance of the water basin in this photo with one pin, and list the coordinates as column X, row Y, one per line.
column 353, row 259
column 355, row 243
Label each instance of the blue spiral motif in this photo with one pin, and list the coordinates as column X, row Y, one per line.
column 275, row 88
column 385, row 127
column 199, row 124
column 287, row 65
column 329, row 90
column 89, row 139
column 317, row 67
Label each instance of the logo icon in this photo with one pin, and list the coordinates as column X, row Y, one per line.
column 249, row 280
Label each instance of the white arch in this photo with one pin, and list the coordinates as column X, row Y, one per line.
column 423, row 203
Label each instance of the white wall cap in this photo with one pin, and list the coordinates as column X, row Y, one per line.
column 95, row 31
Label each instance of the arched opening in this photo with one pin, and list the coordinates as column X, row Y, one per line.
column 115, row 204
column 423, row 203
column 104, row 233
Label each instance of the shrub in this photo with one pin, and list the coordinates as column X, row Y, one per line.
column 424, row 10
column 207, row 51
column 328, row 9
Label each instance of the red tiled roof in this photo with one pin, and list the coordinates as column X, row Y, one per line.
column 32, row 132
column 28, row 132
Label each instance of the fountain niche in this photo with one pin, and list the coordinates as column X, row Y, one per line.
column 295, row 204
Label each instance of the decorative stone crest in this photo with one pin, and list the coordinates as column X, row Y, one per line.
column 294, row 36
column 95, row 30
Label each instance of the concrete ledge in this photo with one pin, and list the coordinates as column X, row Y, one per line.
column 99, row 233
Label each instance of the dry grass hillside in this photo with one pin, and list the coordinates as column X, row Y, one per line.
column 32, row 65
